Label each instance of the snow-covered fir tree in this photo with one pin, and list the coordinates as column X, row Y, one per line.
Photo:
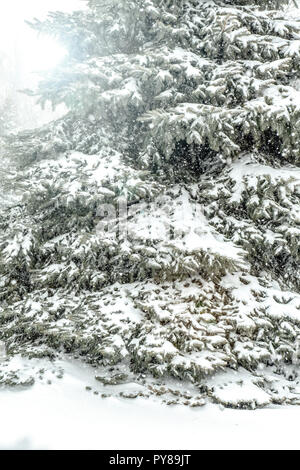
column 184, row 122
column 7, row 115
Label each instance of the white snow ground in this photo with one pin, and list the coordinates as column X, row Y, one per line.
column 64, row 415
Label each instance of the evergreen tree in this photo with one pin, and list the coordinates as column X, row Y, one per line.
column 7, row 115
column 186, row 113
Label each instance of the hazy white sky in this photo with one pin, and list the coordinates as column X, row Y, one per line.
column 15, row 33
column 14, row 12
column 23, row 9
column 23, row 54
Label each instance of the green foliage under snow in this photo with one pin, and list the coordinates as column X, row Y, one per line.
column 189, row 111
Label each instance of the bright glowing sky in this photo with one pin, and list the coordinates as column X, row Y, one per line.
column 25, row 55
column 37, row 53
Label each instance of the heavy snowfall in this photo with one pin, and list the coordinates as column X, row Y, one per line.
column 149, row 224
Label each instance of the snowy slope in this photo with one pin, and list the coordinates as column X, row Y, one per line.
column 65, row 415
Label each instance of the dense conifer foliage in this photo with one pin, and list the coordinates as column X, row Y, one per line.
column 158, row 222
